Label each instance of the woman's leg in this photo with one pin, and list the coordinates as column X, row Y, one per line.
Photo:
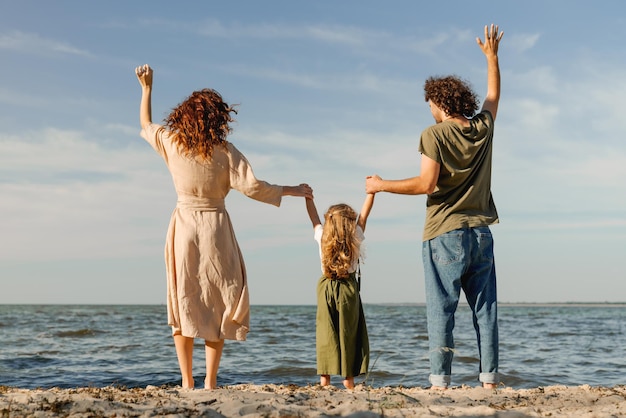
column 184, row 352
column 213, row 351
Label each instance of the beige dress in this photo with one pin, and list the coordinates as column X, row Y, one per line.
column 207, row 289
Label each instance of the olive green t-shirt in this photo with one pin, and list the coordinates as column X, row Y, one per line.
column 462, row 197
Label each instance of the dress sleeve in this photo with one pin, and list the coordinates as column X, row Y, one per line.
column 243, row 180
column 153, row 134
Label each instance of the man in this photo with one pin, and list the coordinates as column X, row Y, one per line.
column 457, row 247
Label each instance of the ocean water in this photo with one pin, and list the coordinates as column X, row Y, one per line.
column 74, row 345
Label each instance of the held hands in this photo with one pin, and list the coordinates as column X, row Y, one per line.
column 306, row 190
column 373, row 184
column 301, row 190
column 144, row 75
column 492, row 39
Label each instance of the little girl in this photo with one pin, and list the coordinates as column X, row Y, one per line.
column 342, row 344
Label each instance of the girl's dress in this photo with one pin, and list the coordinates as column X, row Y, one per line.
column 207, row 289
column 342, row 343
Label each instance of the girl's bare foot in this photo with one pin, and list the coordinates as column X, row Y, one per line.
column 348, row 382
column 210, row 385
column 490, row 385
column 325, row 380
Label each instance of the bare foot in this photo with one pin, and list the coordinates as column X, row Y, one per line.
column 490, row 385
column 439, row 387
column 324, row 380
column 210, row 385
column 348, row 382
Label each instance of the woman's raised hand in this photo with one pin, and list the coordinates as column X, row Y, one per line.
column 144, row 75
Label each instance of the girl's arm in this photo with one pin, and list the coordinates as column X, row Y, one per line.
column 365, row 210
column 312, row 211
column 144, row 75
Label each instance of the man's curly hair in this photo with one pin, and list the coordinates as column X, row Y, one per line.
column 200, row 123
column 452, row 95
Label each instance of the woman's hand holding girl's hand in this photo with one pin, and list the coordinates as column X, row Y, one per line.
column 306, row 190
column 302, row 190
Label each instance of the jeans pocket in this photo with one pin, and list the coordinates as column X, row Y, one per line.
column 485, row 245
column 447, row 248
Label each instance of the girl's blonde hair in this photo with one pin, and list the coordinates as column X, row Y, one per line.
column 340, row 247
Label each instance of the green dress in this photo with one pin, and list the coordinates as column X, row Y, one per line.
column 342, row 344
column 341, row 340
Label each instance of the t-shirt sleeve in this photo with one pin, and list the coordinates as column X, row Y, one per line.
column 429, row 146
column 317, row 233
column 485, row 114
column 359, row 234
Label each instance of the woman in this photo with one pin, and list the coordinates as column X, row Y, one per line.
column 207, row 291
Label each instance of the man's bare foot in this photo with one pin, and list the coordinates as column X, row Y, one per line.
column 490, row 385
column 325, row 380
column 348, row 382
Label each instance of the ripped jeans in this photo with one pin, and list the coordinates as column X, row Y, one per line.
column 461, row 259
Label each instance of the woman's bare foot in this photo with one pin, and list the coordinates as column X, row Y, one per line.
column 348, row 382
column 187, row 383
column 490, row 385
column 210, row 385
column 325, row 380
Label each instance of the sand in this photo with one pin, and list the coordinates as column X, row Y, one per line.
column 315, row 401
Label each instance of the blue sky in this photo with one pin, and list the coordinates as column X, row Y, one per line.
column 328, row 92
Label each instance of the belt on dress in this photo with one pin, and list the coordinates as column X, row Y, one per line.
column 201, row 204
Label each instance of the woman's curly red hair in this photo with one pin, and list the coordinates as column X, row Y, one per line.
column 200, row 123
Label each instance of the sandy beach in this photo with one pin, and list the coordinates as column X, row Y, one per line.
column 315, row 401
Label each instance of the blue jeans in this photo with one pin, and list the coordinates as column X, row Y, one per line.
column 461, row 259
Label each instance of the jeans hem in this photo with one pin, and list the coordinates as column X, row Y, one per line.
column 489, row 378
column 440, row 380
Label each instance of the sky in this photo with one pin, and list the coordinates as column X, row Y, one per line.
column 328, row 92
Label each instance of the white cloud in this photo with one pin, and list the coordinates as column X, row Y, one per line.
column 78, row 199
column 362, row 81
column 33, row 43
column 522, row 42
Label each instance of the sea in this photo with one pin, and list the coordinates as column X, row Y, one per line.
column 68, row 346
